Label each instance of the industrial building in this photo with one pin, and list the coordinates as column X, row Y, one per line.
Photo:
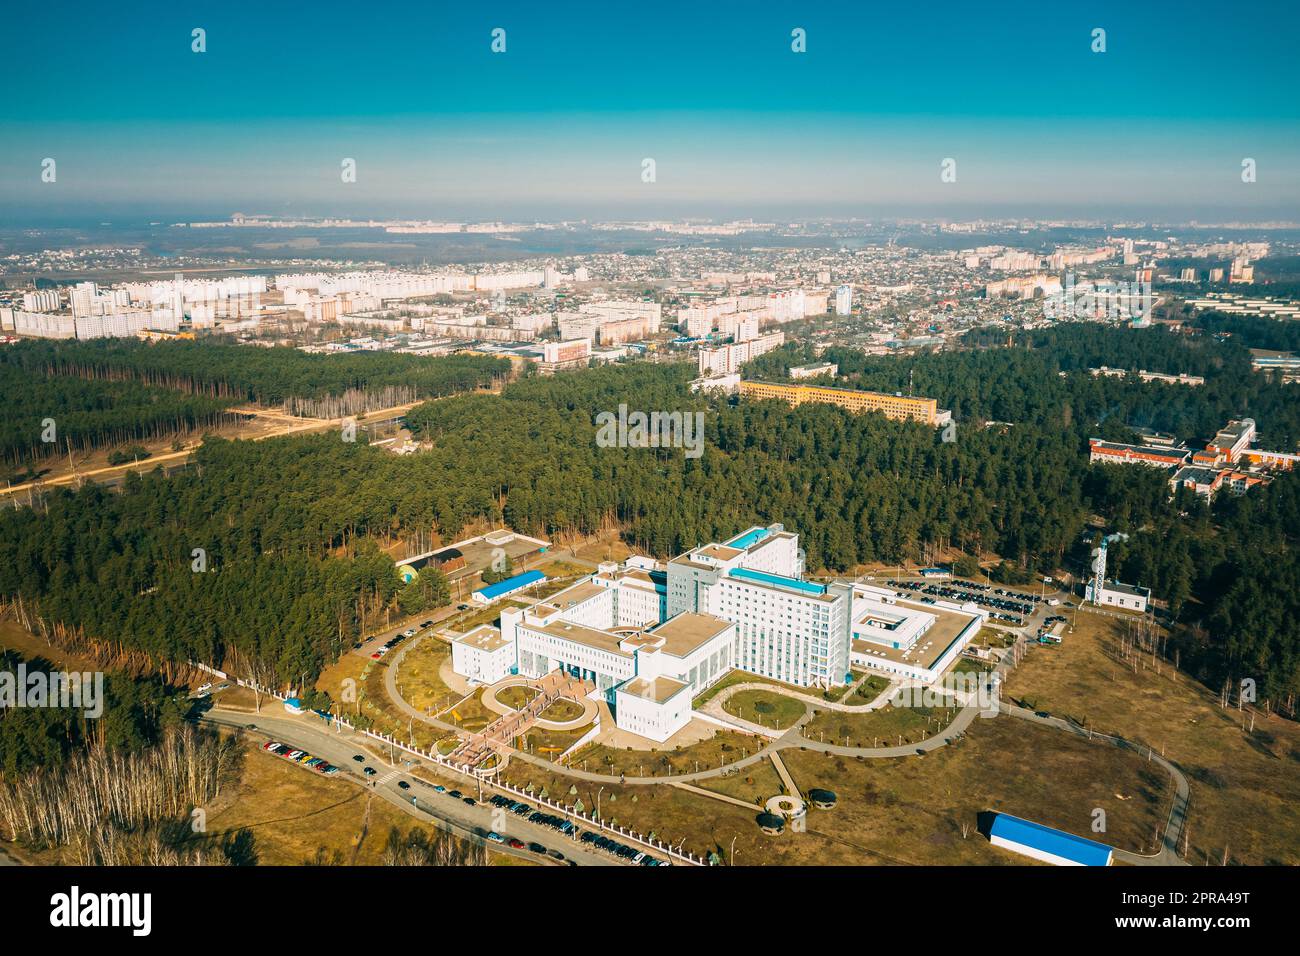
column 444, row 559
column 814, row 370
column 519, row 582
column 1047, row 843
column 1103, row 591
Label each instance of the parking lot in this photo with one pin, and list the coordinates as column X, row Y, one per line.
column 1008, row 606
column 566, row 828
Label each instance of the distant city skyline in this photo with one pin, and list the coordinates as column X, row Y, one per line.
column 558, row 126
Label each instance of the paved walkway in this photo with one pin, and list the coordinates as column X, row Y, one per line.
column 727, row 693
column 714, row 795
column 790, row 787
column 1168, row 855
column 587, row 716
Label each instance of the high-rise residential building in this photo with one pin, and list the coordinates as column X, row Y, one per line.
column 728, row 358
column 843, row 300
column 42, row 300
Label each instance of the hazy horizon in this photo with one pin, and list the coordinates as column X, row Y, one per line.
column 557, row 126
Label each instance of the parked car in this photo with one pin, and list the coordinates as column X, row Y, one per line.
column 271, row 745
column 537, row 848
column 495, row 837
column 517, row 844
column 455, row 793
column 439, row 788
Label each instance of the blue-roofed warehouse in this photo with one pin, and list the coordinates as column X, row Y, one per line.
column 1047, row 844
column 509, row 586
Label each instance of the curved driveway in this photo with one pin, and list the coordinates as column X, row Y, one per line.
column 1168, row 855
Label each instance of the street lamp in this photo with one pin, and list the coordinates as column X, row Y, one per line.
column 598, row 793
column 732, row 857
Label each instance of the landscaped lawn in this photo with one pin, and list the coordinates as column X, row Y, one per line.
column 868, row 690
column 879, row 728
column 926, row 809
column 516, row 696
column 753, row 784
column 470, row 714
column 724, row 747
column 735, row 677
column 562, row 711
column 768, row 708
column 418, row 678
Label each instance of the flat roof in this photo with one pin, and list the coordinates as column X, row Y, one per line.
column 586, row 636
column 687, row 631
column 685, row 561
column 509, row 584
column 1131, row 589
column 1202, row 476
column 948, row 626
column 660, row 690
column 719, row 551
column 1154, row 451
column 485, row 637
column 778, row 581
column 745, row 539
column 575, row 594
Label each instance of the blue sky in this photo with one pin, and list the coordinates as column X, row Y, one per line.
column 558, row 125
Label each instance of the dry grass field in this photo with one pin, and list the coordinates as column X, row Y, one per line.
column 1245, row 786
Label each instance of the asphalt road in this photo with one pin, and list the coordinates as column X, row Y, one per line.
column 438, row 808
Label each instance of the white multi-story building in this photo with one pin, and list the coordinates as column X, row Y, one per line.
column 787, row 628
column 728, row 358
column 483, row 655
column 844, row 300
column 649, row 637
column 42, row 300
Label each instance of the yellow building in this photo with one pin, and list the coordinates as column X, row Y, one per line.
column 894, row 406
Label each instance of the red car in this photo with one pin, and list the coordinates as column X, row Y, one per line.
column 517, row 844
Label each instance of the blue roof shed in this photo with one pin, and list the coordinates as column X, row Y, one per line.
column 494, row 591
column 1046, row 843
